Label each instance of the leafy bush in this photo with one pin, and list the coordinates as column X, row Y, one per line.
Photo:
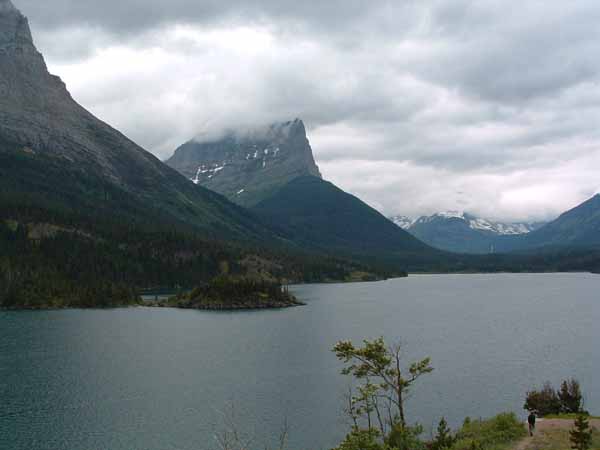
column 405, row 438
column 543, row 402
column 362, row 440
column 567, row 400
column 489, row 434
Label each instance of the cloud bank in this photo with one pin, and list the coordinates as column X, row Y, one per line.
column 416, row 106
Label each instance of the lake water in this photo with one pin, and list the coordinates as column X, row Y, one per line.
column 159, row 379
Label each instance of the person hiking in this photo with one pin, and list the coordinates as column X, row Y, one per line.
column 531, row 422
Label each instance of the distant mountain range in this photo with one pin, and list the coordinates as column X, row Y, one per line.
column 462, row 232
column 475, row 223
column 578, row 228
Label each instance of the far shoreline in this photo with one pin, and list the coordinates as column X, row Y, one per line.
column 154, row 303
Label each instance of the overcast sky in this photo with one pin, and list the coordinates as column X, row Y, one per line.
column 416, row 106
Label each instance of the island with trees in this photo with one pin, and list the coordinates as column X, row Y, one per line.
column 232, row 293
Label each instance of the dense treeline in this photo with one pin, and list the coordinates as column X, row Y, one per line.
column 49, row 259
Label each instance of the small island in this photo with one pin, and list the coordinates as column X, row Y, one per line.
column 228, row 293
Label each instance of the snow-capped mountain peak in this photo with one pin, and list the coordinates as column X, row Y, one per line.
column 475, row 223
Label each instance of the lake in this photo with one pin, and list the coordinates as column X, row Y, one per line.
column 160, row 379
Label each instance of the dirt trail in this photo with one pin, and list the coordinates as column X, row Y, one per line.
column 543, row 425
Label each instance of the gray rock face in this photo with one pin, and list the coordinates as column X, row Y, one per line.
column 14, row 28
column 38, row 113
column 248, row 167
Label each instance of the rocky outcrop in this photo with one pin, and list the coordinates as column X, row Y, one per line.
column 247, row 167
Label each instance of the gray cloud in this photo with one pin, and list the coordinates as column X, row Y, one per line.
column 415, row 106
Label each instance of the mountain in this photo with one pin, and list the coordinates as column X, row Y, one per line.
column 319, row 215
column 461, row 232
column 87, row 217
column 248, row 166
column 56, row 152
column 575, row 230
column 578, row 228
column 272, row 171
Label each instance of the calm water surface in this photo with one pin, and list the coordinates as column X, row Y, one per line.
column 158, row 379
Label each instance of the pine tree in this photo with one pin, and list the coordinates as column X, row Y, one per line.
column 443, row 439
column 570, row 397
column 581, row 435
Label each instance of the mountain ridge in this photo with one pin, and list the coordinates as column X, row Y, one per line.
column 322, row 216
column 578, row 227
column 474, row 222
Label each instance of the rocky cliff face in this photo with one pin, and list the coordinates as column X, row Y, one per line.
column 248, row 167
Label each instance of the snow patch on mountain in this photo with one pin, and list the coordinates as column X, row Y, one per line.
column 208, row 172
column 402, row 221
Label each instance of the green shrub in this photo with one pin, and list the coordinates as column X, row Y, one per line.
column 543, row 402
column 567, row 400
column 489, row 434
column 362, row 440
column 405, row 438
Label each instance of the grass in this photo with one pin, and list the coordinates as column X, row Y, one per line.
column 558, row 439
column 498, row 433
column 568, row 416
